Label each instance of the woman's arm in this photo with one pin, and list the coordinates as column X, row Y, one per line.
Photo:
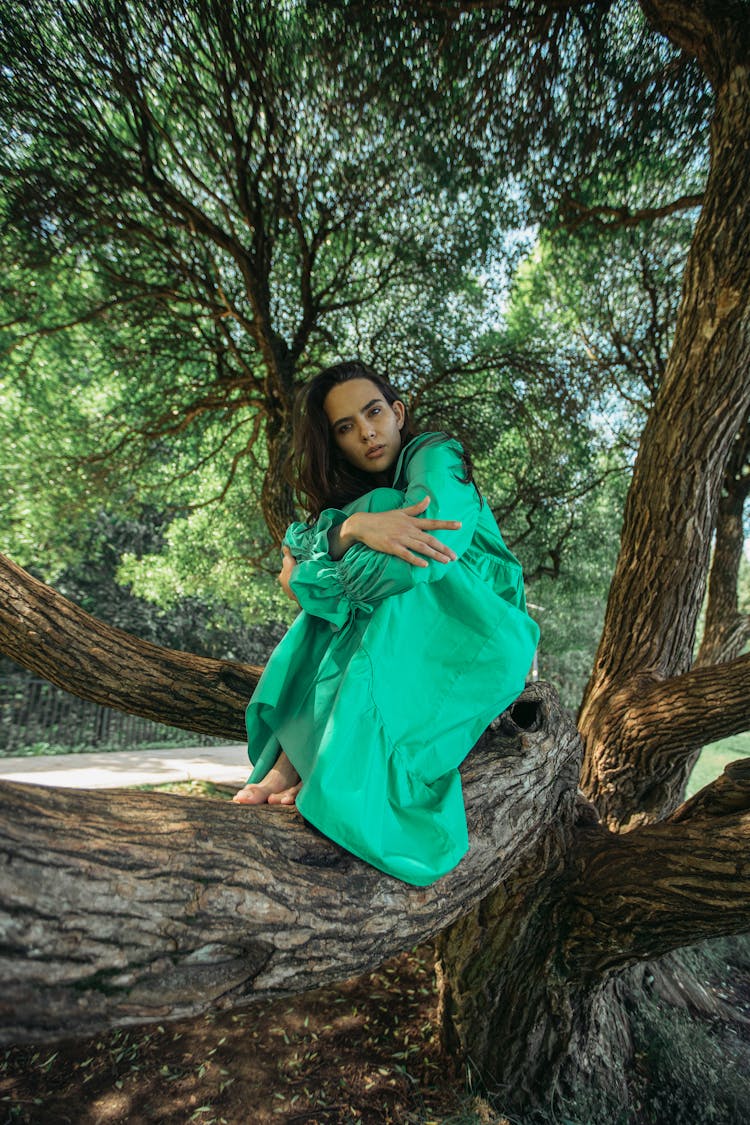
column 363, row 575
column 399, row 532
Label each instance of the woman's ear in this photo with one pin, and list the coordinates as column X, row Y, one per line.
column 400, row 411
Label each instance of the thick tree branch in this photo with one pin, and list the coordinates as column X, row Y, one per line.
column 727, row 629
column 640, row 894
column 705, row 704
column 653, row 731
column 659, row 582
column 717, row 35
column 48, row 635
column 118, row 908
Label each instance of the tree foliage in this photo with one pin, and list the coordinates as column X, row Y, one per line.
column 242, row 212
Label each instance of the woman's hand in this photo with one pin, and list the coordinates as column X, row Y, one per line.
column 287, row 566
column 398, row 532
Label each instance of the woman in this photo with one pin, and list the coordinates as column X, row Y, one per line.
column 408, row 644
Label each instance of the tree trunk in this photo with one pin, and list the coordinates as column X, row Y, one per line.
column 54, row 638
column 531, row 991
column 659, row 582
column 277, row 499
column 726, row 630
column 276, row 494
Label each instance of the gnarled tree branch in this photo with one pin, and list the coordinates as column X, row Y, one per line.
column 607, row 216
column 637, row 895
column 48, row 635
column 120, row 908
column 703, row 705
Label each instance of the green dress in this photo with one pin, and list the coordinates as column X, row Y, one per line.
column 390, row 673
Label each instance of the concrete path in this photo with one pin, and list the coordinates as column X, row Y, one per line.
column 131, row 767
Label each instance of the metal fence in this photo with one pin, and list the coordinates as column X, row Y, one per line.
column 34, row 712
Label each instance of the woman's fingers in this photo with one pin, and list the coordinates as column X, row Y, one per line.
column 414, row 560
column 429, row 545
column 401, row 532
column 440, row 549
column 419, row 506
column 433, row 548
column 436, row 525
column 436, row 550
column 432, row 525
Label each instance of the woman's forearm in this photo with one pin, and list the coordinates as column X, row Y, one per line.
column 342, row 537
column 402, row 532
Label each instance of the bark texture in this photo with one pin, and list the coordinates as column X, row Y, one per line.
column 120, row 908
column 660, row 579
column 48, row 635
column 276, row 494
column 628, row 889
column 657, row 736
column 530, row 978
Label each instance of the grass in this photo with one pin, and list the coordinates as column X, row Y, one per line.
column 713, row 758
column 192, row 788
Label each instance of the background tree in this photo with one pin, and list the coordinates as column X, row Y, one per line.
column 239, row 207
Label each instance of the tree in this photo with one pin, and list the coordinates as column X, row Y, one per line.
column 727, row 627
column 643, row 682
column 529, row 968
column 241, row 210
column 226, row 239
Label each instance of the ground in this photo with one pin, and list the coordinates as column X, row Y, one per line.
column 363, row 1051
column 368, row 1051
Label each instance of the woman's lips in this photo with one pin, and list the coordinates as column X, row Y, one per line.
column 375, row 451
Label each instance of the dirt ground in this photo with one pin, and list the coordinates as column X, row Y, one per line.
column 363, row 1051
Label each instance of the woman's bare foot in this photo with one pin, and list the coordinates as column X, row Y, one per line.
column 280, row 786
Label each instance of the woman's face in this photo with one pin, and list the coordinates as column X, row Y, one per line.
column 365, row 427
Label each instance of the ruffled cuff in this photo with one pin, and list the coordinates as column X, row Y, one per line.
column 311, row 542
column 368, row 576
column 321, row 590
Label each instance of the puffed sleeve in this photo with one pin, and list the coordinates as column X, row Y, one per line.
column 363, row 576
column 310, row 541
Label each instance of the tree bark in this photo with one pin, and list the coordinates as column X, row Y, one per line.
column 45, row 633
column 660, row 733
column 120, row 908
column 530, row 991
column 660, row 578
column 277, row 500
column 628, row 889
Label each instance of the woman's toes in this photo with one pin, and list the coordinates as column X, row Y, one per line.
column 251, row 795
column 286, row 796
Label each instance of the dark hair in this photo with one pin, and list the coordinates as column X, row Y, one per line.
column 319, row 472
column 317, row 469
